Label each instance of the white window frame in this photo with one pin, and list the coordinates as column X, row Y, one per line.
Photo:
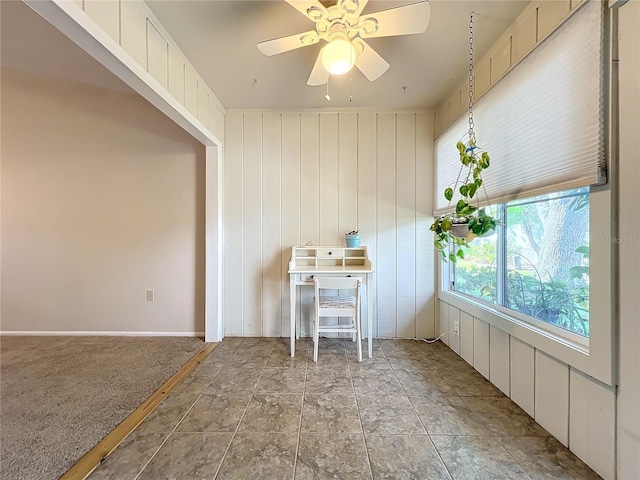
column 593, row 357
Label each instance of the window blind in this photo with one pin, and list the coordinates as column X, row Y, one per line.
column 542, row 123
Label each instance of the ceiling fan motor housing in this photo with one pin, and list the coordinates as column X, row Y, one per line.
column 341, row 19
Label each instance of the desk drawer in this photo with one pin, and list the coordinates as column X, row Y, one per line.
column 307, row 278
column 330, row 253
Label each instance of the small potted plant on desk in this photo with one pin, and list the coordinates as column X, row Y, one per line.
column 468, row 221
column 352, row 239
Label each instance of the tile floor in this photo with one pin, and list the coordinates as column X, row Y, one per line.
column 414, row 411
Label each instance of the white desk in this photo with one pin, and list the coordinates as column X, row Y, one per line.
column 311, row 261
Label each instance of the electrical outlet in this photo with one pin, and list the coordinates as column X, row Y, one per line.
column 150, row 295
column 456, row 328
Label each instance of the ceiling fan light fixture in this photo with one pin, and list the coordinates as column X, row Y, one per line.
column 338, row 56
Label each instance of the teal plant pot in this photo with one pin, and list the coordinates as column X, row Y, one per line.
column 352, row 240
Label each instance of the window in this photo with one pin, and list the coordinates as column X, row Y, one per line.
column 476, row 274
column 538, row 263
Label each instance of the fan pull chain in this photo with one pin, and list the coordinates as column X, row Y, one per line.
column 350, row 87
column 327, row 96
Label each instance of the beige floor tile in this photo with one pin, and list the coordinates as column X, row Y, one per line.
column 187, row 455
column 272, row 412
column 128, row 459
column 447, row 416
column 215, row 413
column 547, row 458
column 399, row 457
column 167, row 415
column 502, row 417
column 332, row 456
column 477, row 458
column 408, row 413
column 388, row 414
column 376, row 382
column 328, row 413
column 282, row 380
column 259, row 456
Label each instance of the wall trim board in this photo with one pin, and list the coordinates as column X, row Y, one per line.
column 63, row 333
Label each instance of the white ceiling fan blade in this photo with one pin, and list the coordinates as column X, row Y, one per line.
column 290, row 42
column 370, row 63
column 353, row 7
column 404, row 20
column 312, row 9
column 318, row 75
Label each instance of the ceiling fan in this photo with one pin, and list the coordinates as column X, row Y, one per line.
column 344, row 29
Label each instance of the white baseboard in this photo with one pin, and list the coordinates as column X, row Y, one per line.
column 64, row 333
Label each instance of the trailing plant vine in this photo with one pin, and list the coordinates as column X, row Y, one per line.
column 475, row 218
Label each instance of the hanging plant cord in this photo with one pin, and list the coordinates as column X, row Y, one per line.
column 472, row 135
column 454, row 231
column 471, row 146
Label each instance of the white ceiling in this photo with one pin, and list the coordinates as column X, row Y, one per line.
column 220, row 37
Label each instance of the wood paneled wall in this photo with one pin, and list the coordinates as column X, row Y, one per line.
column 575, row 408
column 297, row 178
column 532, row 26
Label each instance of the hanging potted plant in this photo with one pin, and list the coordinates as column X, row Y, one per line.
column 469, row 220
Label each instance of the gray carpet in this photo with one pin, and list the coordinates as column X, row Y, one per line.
column 59, row 396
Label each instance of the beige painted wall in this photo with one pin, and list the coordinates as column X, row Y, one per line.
column 102, row 199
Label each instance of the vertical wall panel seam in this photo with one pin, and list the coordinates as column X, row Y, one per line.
column 358, row 175
column 395, row 116
column 262, row 222
column 488, row 346
column 415, row 223
column 534, row 381
column 319, row 159
column 297, row 310
column 184, row 85
column 376, row 217
column 242, row 225
column 280, row 246
column 167, row 51
column 490, row 74
column 339, row 115
column 261, row 162
column 282, row 275
column 120, row 29
column 300, row 178
column 569, row 406
column 509, row 365
column 146, row 42
column 510, row 50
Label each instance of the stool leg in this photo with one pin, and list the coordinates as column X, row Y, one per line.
column 357, row 335
column 316, row 337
